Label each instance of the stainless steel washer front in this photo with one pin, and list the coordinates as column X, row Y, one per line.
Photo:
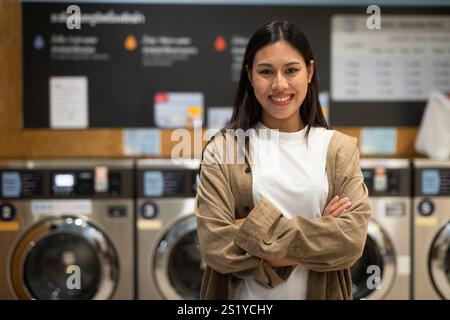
column 378, row 252
column 67, row 229
column 37, row 272
column 431, row 229
column 177, row 262
column 384, row 270
column 439, row 259
column 169, row 262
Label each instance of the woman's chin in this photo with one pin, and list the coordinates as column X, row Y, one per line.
column 282, row 114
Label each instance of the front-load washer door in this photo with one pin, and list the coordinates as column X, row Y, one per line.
column 439, row 262
column 178, row 267
column 64, row 258
column 374, row 273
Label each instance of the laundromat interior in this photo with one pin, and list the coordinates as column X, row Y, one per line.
column 105, row 107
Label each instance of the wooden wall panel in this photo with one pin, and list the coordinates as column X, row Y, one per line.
column 93, row 143
column 16, row 143
column 406, row 137
column 109, row 143
column 45, row 143
column 11, row 145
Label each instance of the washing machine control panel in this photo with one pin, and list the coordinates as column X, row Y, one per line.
column 167, row 183
column 85, row 182
column 96, row 182
column 432, row 182
column 382, row 181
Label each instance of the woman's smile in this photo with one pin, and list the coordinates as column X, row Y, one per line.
column 281, row 99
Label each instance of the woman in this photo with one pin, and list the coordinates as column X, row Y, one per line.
column 291, row 227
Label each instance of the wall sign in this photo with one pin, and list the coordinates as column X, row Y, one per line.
column 129, row 53
column 403, row 61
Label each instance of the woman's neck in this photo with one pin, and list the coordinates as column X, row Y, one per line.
column 292, row 124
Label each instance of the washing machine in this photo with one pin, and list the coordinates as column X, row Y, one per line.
column 66, row 229
column 431, row 231
column 384, row 269
column 169, row 262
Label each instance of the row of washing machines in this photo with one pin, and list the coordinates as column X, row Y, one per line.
column 123, row 229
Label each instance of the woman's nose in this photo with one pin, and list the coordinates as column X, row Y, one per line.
column 279, row 82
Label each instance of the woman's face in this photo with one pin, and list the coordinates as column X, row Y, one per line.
column 280, row 79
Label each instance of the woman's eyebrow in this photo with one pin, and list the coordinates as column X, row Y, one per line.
column 264, row 64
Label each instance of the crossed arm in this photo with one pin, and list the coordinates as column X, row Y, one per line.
column 334, row 208
column 266, row 242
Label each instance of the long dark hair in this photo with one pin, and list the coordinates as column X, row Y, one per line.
column 247, row 110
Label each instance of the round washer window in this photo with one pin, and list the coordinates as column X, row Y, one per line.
column 185, row 271
column 360, row 275
column 46, row 272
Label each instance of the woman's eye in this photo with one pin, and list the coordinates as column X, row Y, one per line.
column 291, row 70
column 265, row 71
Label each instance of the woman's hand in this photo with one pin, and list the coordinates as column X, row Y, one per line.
column 285, row 262
column 337, row 206
column 273, row 263
column 239, row 222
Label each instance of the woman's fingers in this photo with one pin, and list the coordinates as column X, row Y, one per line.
column 333, row 201
column 239, row 222
column 327, row 210
column 344, row 207
column 338, row 204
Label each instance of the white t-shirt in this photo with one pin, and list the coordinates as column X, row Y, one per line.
column 292, row 175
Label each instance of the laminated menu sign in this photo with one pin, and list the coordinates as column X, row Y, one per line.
column 218, row 117
column 178, row 109
column 141, row 142
column 403, row 61
column 68, row 102
column 378, row 141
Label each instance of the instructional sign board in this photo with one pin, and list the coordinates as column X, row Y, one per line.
column 404, row 61
column 141, row 65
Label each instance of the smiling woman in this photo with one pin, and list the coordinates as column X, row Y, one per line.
column 280, row 79
column 292, row 226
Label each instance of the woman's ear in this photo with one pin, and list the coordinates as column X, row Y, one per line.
column 310, row 70
column 249, row 75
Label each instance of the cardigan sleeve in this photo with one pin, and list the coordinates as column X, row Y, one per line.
column 214, row 210
column 321, row 244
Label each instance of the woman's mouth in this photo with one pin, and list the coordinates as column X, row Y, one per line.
column 281, row 99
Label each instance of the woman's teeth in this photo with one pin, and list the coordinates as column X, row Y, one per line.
column 281, row 99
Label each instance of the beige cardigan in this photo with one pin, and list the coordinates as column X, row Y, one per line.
column 328, row 246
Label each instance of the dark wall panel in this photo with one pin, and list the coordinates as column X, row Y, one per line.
column 121, row 89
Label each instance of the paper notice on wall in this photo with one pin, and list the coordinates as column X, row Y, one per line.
column 178, row 109
column 141, row 142
column 403, row 61
column 68, row 102
column 217, row 118
column 378, row 141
